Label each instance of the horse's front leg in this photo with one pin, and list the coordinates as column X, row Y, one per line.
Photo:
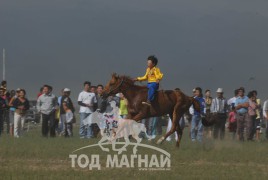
column 139, row 117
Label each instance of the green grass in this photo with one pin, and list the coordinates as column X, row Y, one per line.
column 34, row 157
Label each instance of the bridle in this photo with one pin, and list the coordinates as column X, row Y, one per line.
column 118, row 87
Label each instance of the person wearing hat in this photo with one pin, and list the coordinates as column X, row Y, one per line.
column 219, row 110
column 68, row 101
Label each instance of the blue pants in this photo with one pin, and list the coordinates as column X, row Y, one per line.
column 152, row 126
column 196, row 125
column 85, row 131
column 153, row 87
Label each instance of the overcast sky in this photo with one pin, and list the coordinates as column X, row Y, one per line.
column 207, row 43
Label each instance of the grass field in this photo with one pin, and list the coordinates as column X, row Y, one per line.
column 34, row 157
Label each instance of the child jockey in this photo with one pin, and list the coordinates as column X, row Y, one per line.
column 153, row 75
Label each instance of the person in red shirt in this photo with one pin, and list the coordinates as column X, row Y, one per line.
column 40, row 93
column 232, row 122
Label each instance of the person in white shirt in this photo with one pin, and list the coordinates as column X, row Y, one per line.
column 86, row 100
column 265, row 115
column 219, row 110
column 231, row 102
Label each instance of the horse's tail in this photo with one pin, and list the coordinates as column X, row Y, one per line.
column 206, row 120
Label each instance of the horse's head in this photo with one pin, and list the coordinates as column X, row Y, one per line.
column 113, row 86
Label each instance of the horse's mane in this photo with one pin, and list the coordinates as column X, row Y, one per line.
column 129, row 81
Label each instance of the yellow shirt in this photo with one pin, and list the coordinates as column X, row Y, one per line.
column 152, row 75
column 123, row 107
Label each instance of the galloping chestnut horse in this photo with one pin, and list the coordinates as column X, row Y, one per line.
column 172, row 102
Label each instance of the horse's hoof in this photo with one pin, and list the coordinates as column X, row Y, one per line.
column 160, row 141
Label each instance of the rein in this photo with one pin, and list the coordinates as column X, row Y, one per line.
column 116, row 87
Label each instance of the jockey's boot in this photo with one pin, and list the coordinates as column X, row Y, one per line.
column 148, row 103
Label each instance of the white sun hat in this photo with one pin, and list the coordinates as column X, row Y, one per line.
column 219, row 90
column 66, row 90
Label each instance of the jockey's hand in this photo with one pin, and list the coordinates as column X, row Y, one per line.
column 135, row 79
column 157, row 81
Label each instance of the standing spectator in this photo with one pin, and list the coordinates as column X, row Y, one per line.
column 232, row 122
column 21, row 104
column 265, row 116
column 2, row 109
column 4, row 86
column 86, row 100
column 47, row 105
column 65, row 99
column 59, row 127
column 60, row 97
column 208, row 99
column 189, row 116
column 68, row 119
column 197, row 116
column 101, row 103
column 193, row 92
column 123, row 106
column 100, row 107
column 219, row 110
column 252, row 115
column 152, row 122
column 5, row 95
column 40, row 92
column 12, row 109
column 38, row 95
column 231, row 102
column 258, row 113
column 93, row 89
column 241, row 106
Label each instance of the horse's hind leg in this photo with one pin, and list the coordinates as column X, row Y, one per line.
column 172, row 130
